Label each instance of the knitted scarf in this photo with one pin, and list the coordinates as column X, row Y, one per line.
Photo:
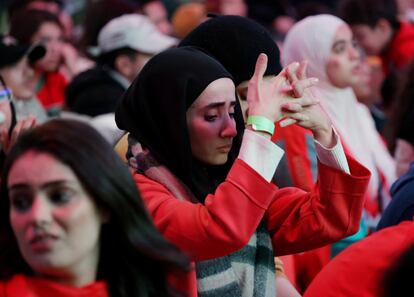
column 249, row 272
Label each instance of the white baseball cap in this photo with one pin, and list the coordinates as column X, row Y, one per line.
column 134, row 31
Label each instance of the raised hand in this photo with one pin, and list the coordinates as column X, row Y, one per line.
column 21, row 126
column 269, row 97
column 308, row 116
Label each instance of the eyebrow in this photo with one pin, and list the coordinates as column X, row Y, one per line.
column 19, row 186
column 338, row 42
column 219, row 104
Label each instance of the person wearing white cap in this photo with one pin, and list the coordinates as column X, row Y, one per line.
column 125, row 44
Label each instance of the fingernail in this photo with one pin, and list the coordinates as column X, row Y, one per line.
column 315, row 79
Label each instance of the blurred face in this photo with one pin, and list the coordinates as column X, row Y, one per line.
column 130, row 67
column 211, row 124
column 233, row 7
column 343, row 64
column 55, row 221
column 19, row 78
column 373, row 40
column 362, row 86
column 157, row 13
column 5, row 113
column 50, row 35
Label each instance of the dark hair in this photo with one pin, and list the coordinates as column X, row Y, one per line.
column 401, row 105
column 369, row 12
column 134, row 258
column 398, row 279
column 109, row 58
column 98, row 14
column 26, row 22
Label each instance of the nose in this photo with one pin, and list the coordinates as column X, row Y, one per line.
column 229, row 128
column 353, row 53
column 41, row 211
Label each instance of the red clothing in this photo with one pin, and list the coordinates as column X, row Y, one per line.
column 52, row 90
column 24, row 286
column 295, row 142
column 296, row 220
column 359, row 270
column 401, row 49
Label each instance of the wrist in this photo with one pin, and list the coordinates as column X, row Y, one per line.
column 260, row 124
column 263, row 134
column 325, row 137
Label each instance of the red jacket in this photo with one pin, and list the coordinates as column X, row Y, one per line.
column 24, row 286
column 296, row 220
column 401, row 49
column 52, row 91
column 359, row 270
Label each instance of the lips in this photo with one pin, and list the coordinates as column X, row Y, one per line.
column 224, row 148
column 43, row 242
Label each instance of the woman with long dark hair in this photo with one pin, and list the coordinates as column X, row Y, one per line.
column 73, row 222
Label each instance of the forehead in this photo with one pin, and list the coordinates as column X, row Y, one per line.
column 343, row 32
column 220, row 90
column 38, row 168
column 361, row 29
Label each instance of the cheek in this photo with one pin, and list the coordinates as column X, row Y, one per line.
column 201, row 134
column 338, row 71
column 82, row 222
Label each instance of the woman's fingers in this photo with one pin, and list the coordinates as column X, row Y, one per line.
column 302, row 69
column 291, row 106
column 299, row 87
column 260, row 69
column 297, row 116
column 291, row 70
column 287, row 122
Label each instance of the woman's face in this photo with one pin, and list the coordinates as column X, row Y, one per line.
column 343, row 63
column 55, row 221
column 19, row 78
column 51, row 36
column 211, row 124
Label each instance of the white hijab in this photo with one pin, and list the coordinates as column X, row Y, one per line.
column 311, row 39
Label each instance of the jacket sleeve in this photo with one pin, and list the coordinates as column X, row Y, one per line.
column 299, row 221
column 224, row 224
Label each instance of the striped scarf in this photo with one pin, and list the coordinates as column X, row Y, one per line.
column 249, row 272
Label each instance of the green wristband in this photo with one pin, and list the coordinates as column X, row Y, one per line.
column 260, row 123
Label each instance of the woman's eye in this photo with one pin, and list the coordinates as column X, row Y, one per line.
column 60, row 196
column 210, row 118
column 232, row 114
column 339, row 49
column 21, row 201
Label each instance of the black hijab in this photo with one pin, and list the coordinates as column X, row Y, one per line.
column 236, row 42
column 154, row 107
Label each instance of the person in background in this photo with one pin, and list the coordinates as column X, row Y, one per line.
column 378, row 31
column 66, row 198
column 32, row 26
column 16, row 62
column 157, row 13
column 402, row 121
column 125, row 45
